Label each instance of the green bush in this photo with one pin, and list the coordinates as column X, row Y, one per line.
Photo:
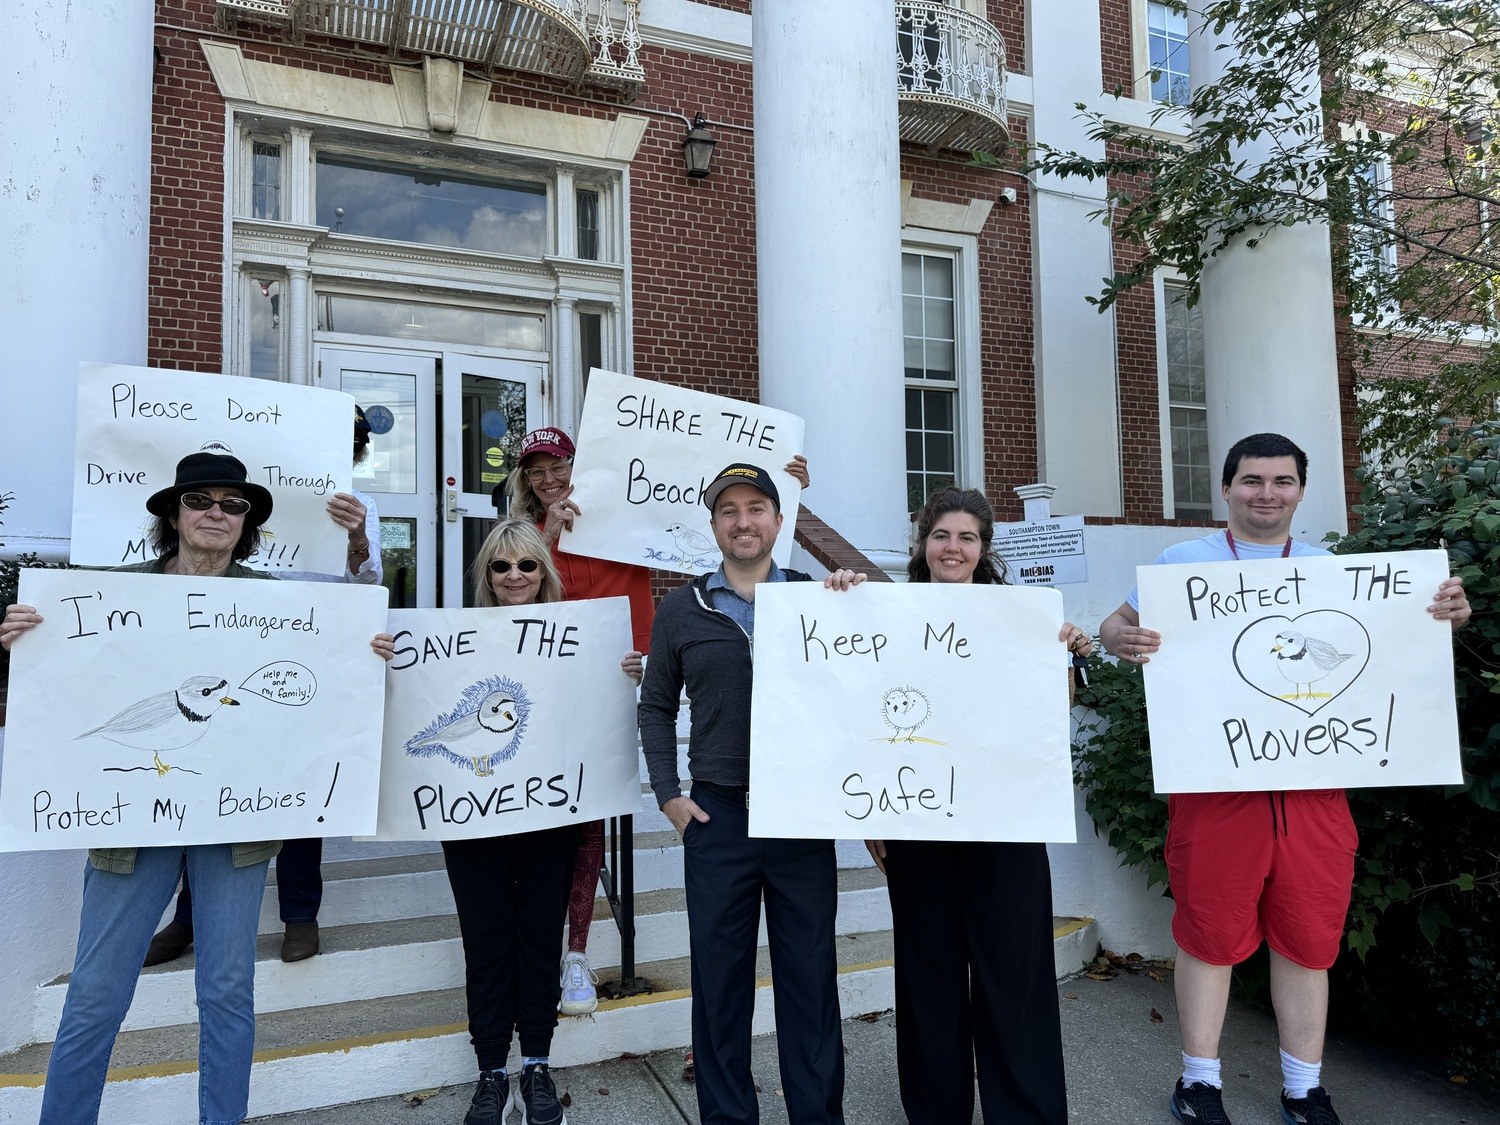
column 1424, row 923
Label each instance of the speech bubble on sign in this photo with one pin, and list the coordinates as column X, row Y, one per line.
column 285, row 682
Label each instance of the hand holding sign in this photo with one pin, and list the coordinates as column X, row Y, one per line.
column 1302, row 673
column 646, row 453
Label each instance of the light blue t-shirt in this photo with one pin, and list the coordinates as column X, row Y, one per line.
column 1215, row 548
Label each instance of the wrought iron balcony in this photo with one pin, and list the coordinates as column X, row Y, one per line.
column 950, row 75
column 560, row 38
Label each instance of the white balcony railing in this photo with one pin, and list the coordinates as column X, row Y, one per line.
column 950, row 73
column 561, row 38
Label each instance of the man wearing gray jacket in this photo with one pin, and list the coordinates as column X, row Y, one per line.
column 702, row 639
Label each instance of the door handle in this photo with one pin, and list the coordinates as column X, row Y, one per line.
column 451, row 504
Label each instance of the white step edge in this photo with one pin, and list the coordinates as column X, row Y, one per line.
column 163, row 999
column 336, row 1073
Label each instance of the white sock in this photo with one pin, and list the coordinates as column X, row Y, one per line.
column 1205, row 1071
column 1298, row 1077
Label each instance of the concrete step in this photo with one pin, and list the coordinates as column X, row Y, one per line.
column 331, row 1053
column 370, row 960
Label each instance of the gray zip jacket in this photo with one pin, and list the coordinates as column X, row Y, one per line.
column 695, row 645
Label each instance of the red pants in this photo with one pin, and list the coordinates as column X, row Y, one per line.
column 585, row 884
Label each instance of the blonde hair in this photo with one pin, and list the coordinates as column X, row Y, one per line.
column 524, row 502
column 520, row 540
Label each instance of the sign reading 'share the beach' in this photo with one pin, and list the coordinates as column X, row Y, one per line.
column 1300, row 673
column 153, row 709
column 647, row 451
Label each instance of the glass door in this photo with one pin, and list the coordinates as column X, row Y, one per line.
column 487, row 407
column 397, row 391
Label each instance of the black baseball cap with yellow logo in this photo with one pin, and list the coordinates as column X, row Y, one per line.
column 740, row 473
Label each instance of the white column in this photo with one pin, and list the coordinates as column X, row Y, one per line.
column 75, row 194
column 564, row 375
column 1269, row 353
column 1077, row 393
column 567, row 215
column 828, row 240
column 299, row 326
column 298, row 178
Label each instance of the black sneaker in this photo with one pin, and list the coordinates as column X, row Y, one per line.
column 491, row 1100
column 539, row 1104
column 1315, row 1109
column 1199, row 1103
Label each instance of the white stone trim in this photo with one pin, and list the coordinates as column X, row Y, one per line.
column 402, row 107
column 930, row 214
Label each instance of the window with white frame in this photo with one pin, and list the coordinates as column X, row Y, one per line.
column 939, row 295
column 386, row 191
column 1166, row 31
column 1371, row 249
column 1185, row 404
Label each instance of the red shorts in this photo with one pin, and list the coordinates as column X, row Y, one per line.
column 1247, row 866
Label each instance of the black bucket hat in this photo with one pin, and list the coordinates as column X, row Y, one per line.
column 212, row 470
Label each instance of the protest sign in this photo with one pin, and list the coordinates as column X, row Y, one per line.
column 154, row 709
column 646, row 453
column 136, row 423
column 910, row 712
column 508, row 720
column 1299, row 673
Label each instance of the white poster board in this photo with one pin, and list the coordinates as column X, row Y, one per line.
column 646, row 453
column 1299, row 673
column 910, row 712
column 508, row 720
column 153, row 709
column 136, row 423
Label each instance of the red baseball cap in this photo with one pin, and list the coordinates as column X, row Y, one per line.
column 547, row 440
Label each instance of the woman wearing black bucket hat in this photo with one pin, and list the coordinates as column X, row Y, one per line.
column 299, row 866
column 207, row 523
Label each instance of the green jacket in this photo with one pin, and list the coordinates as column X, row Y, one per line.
column 121, row 861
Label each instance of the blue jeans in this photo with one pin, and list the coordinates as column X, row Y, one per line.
column 119, row 914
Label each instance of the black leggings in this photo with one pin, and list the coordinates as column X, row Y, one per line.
column 512, row 897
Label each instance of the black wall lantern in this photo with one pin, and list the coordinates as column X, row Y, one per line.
column 698, row 147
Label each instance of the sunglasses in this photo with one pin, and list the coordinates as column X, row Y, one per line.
column 202, row 502
column 502, row 566
column 557, row 472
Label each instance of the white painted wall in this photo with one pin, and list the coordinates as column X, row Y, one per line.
column 75, row 96
column 1269, row 353
column 1076, row 387
column 828, row 245
column 43, row 892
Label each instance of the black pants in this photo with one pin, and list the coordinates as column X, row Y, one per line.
column 975, row 983
column 299, row 883
column 726, row 874
column 512, row 896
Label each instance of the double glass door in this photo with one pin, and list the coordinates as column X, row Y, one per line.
column 446, row 432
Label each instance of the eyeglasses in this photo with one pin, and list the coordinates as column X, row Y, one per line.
column 559, row 471
column 202, row 502
column 502, row 566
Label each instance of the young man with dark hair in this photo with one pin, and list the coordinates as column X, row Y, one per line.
column 1237, row 875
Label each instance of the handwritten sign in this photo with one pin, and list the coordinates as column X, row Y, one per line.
column 646, row 453
column 1305, row 673
column 136, row 423
column 508, row 720
column 910, row 712
column 153, row 709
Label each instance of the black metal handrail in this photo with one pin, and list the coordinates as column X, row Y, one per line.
column 618, row 877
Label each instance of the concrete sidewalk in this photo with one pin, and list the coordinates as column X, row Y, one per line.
column 1121, row 1067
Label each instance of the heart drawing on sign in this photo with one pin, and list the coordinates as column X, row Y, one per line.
column 1306, row 661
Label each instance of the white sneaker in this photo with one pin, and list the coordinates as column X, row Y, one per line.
column 579, row 996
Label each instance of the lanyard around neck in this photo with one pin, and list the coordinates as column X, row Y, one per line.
column 1229, row 538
